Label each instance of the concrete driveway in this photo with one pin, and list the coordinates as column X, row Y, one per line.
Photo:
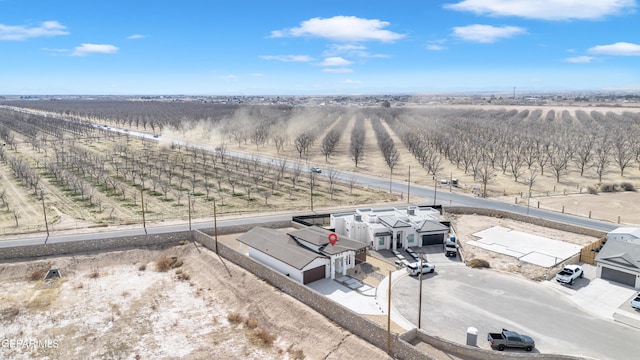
column 456, row 297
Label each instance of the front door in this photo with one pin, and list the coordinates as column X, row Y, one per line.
column 399, row 240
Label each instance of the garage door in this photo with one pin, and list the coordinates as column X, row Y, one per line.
column 435, row 239
column 618, row 276
column 313, row 275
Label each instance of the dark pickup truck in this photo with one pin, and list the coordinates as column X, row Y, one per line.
column 510, row 339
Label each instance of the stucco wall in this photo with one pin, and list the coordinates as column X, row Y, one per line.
column 524, row 218
column 74, row 247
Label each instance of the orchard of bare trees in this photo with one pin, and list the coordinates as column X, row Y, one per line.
column 68, row 154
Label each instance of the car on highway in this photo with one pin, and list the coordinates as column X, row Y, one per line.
column 315, row 169
column 635, row 302
column 414, row 268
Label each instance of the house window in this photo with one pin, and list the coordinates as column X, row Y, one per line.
column 381, row 240
column 410, row 238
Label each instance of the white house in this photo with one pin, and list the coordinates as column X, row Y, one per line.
column 392, row 228
column 619, row 258
column 306, row 254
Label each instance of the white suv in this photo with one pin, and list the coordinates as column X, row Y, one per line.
column 414, row 268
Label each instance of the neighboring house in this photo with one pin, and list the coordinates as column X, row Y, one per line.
column 392, row 228
column 624, row 233
column 306, row 254
column 619, row 258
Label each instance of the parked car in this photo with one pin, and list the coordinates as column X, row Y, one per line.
column 569, row 273
column 635, row 302
column 450, row 249
column 414, row 268
column 316, row 170
column 510, row 339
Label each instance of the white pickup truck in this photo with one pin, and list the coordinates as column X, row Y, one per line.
column 635, row 302
column 569, row 273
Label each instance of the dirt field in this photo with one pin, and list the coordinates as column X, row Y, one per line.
column 117, row 305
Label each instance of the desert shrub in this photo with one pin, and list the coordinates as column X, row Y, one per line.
column 235, row 318
column 295, row 354
column 608, row 188
column 143, row 267
column 263, row 337
column 183, row 276
column 94, row 274
column 251, row 323
column 627, row 186
column 9, row 313
column 164, row 263
column 478, row 263
column 37, row 274
column 592, row 190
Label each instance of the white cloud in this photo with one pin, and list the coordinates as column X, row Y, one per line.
column 546, row 9
column 351, row 50
column 486, row 33
column 257, row 74
column 337, row 70
column 617, row 49
column 349, row 81
column 335, row 61
column 88, row 49
column 46, row 29
column 135, row 37
column 229, row 77
column 580, row 59
column 288, row 58
column 342, row 28
column 436, row 47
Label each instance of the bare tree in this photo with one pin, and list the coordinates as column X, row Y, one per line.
column 356, row 148
column 485, row 173
column 296, row 171
column 332, row 177
column 602, row 159
column 329, row 143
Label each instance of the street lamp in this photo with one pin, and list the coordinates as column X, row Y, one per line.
column 44, row 211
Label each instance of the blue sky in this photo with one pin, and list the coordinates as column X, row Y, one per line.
column 297, row 47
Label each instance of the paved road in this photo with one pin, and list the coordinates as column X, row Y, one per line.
column 457, row 297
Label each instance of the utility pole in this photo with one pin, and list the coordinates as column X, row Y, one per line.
column 409, row 184
column 144, row 221
column 311, row 181
column 435, row 188
column 44, row 211
column 215, row 225
column 420, row 297
column 389, row 317
column 189, row 200
column 532, row 178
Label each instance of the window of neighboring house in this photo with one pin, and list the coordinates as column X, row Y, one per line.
column 410, row 238
column 381, row 240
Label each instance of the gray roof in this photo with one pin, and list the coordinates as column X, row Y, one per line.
column 394, row 221
column 320, row 237
column 620, row 252
column 278, row 245
column 429, row 226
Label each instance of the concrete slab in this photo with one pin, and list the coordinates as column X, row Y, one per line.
column 347, row 297
column 539, row 258
column 530, row 248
